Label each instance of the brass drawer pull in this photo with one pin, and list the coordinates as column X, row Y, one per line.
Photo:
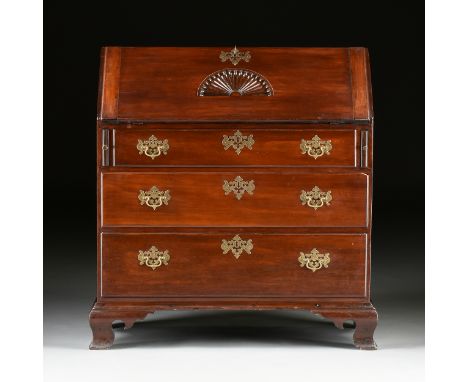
column 315, row 147
column 238, row 141
column 315, row 198
column 153, row 257
column 154, row 198
column 153, row 147
column 314, row 260
column 238, row 186
column 237, row 246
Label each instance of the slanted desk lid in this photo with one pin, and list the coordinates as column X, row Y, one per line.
column 240, row 84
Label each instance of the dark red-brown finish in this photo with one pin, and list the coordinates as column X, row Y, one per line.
column 203, row 147
column 198, row 267
column 198, row 199
column 153, row 91
column 309, row 84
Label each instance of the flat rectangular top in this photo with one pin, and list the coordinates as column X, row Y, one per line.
column 273, row 84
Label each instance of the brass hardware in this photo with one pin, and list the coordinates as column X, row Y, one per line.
column 238, row 186
column 153, row 147
column 314, row 260
column 154, row 198
column 153, row 257
column 105, row 147
column 316, row 198
column 235, row 56
column 238, row 141
column 315, row 147
column 237, row 246
column 364, row 148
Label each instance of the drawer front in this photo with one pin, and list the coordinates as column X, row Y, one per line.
column 235, row 199
column 235, row 147
column 249, row 264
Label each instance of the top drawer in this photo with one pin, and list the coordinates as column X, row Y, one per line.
column 234, row 146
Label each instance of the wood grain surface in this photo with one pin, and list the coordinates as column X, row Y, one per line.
column 198, row 267
column 198, row 199
column 309, row 84
column 195, row 146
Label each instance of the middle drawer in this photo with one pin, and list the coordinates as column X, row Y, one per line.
column 264, row 198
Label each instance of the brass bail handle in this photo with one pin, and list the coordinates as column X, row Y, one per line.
column 316, row 198
column 314, row 260
column 154, row 198
column 316, row 147
column 153, row 257
column 153, row 147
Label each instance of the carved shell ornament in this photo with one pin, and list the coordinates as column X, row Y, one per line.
column 229, row 82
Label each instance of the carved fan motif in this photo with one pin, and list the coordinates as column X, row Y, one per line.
column 229, row 82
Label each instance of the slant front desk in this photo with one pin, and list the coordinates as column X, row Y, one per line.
column 234, row 179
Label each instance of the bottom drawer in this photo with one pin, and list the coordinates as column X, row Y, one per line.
column 245, row 264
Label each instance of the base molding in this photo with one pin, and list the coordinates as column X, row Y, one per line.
column 103, row 314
